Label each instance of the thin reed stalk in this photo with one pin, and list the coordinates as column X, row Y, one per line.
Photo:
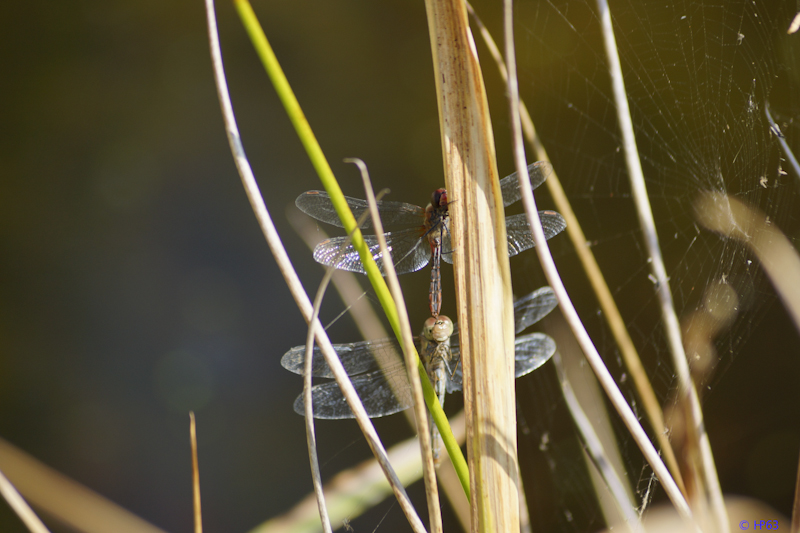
column 196, row 507
column 20, row 506
column 705, row 473
column 356, row 490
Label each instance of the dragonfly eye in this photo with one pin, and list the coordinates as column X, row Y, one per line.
column 438, row 329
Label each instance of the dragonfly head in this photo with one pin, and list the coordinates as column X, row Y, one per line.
column 439, row 198
column 438, row 329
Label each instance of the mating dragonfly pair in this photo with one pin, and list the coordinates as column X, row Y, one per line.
column 380, row 377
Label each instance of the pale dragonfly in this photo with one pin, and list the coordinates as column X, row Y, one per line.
column 379, row 374
column 412, row 247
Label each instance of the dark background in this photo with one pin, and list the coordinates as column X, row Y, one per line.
column 135, row 284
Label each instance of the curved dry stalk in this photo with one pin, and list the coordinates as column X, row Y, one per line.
column 292, row 280
column 594, row 447
column 546, row 259
column 650, row 404
column 428, row 469
column 706, row 472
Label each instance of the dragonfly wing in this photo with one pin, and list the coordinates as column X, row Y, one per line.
column 518, row 231
column 409, row 252
column 509, row 186
column 455, row 382
column 447, row 244
column 531, row 352
column 373, row 389
column 356, row 357
column 318, row 204
column 531, row 308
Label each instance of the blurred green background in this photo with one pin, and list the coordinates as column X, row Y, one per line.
column 135, row 284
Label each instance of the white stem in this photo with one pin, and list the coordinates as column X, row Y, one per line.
column 686, row 389
column 20, row 506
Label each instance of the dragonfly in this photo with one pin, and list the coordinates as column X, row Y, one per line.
column 379, row 374
column 429, row 234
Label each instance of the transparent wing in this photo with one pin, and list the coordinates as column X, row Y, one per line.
column 509, row 186
column 410, row 252
column 528, row 310
column 519, row 234
column 374, row 389
column 454, row 382
column 532, row 307
column 356, row 357
column 531, row 352
column 318, row 204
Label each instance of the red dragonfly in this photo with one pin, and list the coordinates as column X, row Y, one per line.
column 412, row 247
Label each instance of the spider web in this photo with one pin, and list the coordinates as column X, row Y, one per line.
column 700, row 77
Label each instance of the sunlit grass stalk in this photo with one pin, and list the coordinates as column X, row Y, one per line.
column 481, row 268
column 307, row 375
column 196, row 507
column 554, row 279
column 20, row 506
column 705, row 473
column 319, row 162
column 291, row 278
column 795, row 525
